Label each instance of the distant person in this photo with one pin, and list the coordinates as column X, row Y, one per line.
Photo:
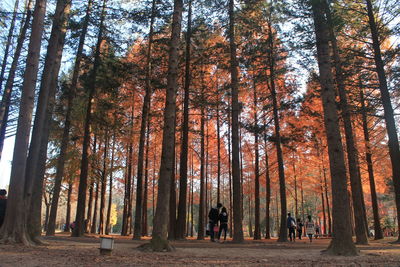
column 3, row 205
column 317, row 230
column 299, row 228
column 223, row 223
column 291, row 225
column 213, row 216
column 72, row 226
column 310, row 228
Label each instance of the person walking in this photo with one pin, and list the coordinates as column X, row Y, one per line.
column 223, row 223
column 299, row 228
column 213, row 216
column 3, row 205
column 291, row 225
column 310, row 228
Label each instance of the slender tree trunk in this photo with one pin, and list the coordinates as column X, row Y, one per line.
column 203, row 190
column 267, row 187
column 6, row 98
column 146, row 184
column 328, row 209
column 159, row 240
column 80, row 210
column 230, row 175
column 36, row 164
column 352, row 153
column 257, row 230
column 88, row 223
column 368, row 158
column 68, row 212
column 183, row 169
column 8, row 43
column 172, row 200
column 237, row 201
column 67, row 124
column 279, row 154
column 394, row 148
column 137, row 233
column 103, row 185
column 14, row 228
column 110, row 190
column 128, row 187
column 218, row 153
column 95, row 206
column 342, row 243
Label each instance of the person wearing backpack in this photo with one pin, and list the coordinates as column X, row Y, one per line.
column 213, row 216
column 291, row 225
column 299, row 228
column 223, row 223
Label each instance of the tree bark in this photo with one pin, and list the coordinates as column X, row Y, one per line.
column 352, row 153
column 109, row 209
column 68, row 212
column 267, row 187
column 159, row 240
column 257, row 230
column 279, row 154
column 6, row 98
column 103, row 185
column 203, row 190
column 342, row 243
column 237, row 200
column 14, row 228
column 67, row 125
column 80, row 210
column 368, row 158
column 183, row 169
column 137, row 233
column 394, row 148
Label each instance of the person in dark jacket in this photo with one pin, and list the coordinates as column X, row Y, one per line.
column 299, row 228
column 213, row 216
column 291, row 225
column 3, row 205
column 223, row 223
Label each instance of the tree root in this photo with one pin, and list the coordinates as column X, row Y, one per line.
column 157, row 244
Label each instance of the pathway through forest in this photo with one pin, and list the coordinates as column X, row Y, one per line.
column 83, row 251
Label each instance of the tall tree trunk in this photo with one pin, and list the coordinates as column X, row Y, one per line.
column 352, row 153
column 279, row 154
column 110, row 190
column 95, row 206
column 183, row 168
column 230, row 175
column 237, row 197
column 159, row 240
column 203, row 190
column 267, row 187
column 80, row 210
column 88, row 223
column 328, row 209
column 36, row 164
column 128, row 187
column 257, row 230
column 103, row 184
column 6, row 98
column 8, row 43
column 172, row 199
column 14, row 228
column 137, row 233
column 68, row 212
column 342, row 243
column 146, row 184
column 67, row 125
column 368, row 158
column 394, row 148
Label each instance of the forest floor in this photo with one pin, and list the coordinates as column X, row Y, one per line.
column 63, row 250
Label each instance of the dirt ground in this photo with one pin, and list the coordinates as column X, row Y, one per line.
column 63, row 250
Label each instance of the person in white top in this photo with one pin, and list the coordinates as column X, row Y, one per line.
column 310, row 228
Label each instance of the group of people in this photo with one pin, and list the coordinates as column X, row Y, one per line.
column 215, row 217
column 311, row 228
column 3, row 205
